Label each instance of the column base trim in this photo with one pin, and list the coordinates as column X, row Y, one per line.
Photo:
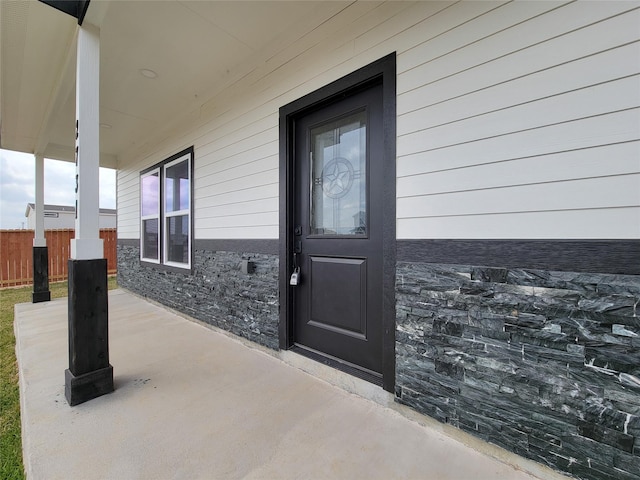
column 37, row 297
column 41, row 292
column 87, row 386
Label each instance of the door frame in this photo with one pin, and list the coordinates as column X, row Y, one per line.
column 382, row 71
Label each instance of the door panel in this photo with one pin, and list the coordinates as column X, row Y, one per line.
column 338, row 230
column 338, row 291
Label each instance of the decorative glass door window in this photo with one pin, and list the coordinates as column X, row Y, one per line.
column 339, row 177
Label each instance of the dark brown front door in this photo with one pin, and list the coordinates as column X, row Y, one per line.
column 337, row 231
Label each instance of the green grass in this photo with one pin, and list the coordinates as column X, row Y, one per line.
column 10, row 434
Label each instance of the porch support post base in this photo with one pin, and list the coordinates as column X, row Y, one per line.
column 89, row 375
column 86, row 387
column 41, row 291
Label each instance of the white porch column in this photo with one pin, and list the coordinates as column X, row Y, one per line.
column 90, row 374
column 41, row 292
column 87, row 243
column 38, row 239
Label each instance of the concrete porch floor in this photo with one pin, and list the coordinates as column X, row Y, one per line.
column 191, row 402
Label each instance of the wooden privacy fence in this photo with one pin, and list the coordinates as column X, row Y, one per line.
column 16, row 254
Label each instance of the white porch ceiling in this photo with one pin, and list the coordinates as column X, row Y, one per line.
column 196, row 48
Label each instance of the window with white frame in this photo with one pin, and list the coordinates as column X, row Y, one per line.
column 150, row 216
column 166, row 211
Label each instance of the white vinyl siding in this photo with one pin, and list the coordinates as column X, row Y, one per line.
column 128, row 191
column 237, row 186
column 531, row 132
column 514, row 120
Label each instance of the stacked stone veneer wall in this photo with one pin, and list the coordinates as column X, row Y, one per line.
column 217, row 292
column 546, row 364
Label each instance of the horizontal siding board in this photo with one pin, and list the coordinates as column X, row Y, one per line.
column 558, row 22
column 250, row 115
column 595, row 131
column 491, row 23
column 457, row 16
column 129, row 204
column 594, row 69
column 229, row 133
column 599, row 38
column 258, row 146
column 242, row 145
column 124, row 232
column 603, row 192
column 331, row 62
column 618, row 159
column 129, row 183
column 130, row 196
column 236, row 131
column 215, row 199
column 129, row 186
column 238, row 232
column 247, row 182
column 129, row 189
column 128, row 223
column 264, row 219
column 221, row 168
column 596, row 100
column 621, row 223
column 245, row 167
column 400, row 29
column 262, row 205
column 125, row 175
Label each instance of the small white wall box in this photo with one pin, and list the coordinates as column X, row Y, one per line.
column 248, row 267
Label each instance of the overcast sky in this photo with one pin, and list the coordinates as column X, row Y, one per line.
column 17, row 186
